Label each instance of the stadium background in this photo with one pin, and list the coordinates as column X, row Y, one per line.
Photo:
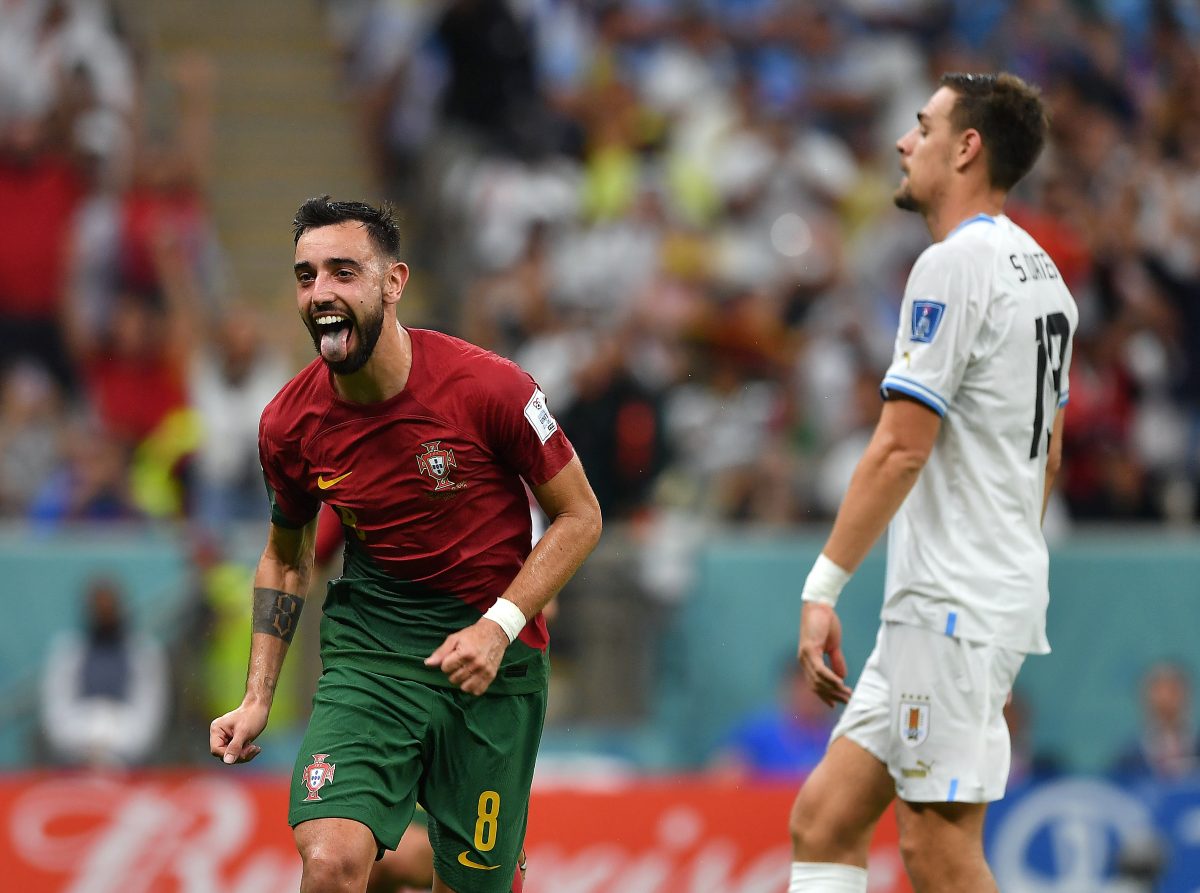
column 677, row 216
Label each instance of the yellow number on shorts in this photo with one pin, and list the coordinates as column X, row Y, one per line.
column 485, row 825
column 350, row 520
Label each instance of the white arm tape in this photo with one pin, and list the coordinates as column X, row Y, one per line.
column 508, row 615
column 825, row 582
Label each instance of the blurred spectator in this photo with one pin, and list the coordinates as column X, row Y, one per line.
column 66, row 78
column 91, row 482
column 1168, row 746
column 146, row 195
column 104, row 688
column 724, row 427
column 619, row 426
column 31, row 428
column 134, row 369
column 786, row 739
column 43, row 182
column 492, row 90
column 394, row 70
column 234, row 374
column 45, row 43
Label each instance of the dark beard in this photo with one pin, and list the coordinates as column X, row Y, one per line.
column 903, row 199
column 369, row 331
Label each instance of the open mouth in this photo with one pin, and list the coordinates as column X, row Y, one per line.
column 334, row 330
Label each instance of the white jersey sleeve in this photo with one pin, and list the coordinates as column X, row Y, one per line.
column 940, row 319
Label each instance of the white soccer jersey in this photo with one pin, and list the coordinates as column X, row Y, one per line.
column 984, row 341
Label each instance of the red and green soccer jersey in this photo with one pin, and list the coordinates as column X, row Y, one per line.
column 428, row 485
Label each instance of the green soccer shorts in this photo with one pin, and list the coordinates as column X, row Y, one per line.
column 377, row 745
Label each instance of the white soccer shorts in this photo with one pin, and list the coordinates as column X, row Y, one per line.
column 931, row 706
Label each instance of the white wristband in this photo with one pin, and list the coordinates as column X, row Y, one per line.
column 825, row 582
column 508, row 615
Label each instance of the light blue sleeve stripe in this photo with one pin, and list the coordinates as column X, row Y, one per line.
column 913, row 383
column 913, row 389
column 953, row 790
column 1063, row 398
column 951, row 622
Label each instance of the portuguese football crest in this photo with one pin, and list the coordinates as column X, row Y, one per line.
column 437, row 463
column 317, row 774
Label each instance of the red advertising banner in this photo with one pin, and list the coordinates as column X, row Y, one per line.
column 686, row 835
column 226, row 831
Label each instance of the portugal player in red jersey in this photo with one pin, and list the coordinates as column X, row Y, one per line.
column 433, row 647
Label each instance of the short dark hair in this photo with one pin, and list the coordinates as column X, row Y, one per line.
column 323, row 211
column 1009, row 115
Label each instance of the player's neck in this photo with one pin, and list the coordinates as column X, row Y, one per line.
column 946, row 217
column 385, row 374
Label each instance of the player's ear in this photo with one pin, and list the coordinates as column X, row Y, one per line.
column 970, row 148
column 393, row 282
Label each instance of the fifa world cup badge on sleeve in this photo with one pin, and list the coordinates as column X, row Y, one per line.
column 926, row 317
column 538, row 415
column 317, row 774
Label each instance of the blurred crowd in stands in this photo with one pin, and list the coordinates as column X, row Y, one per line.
column 132, row 377
column 677, row 215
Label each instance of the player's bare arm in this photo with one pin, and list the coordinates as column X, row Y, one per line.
column 471, row 657
column 280, row 584
column 898, row 450
column 1053, row 458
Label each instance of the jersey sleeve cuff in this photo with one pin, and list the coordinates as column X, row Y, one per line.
column 898, row 384
column 557, row 463
column 1063, row 399
column 281, row 520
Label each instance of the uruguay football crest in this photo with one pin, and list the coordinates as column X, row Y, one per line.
column 914, row 721
column 926, row 317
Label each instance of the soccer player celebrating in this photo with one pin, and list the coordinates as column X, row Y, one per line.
column 961, row 464
column 433, row 644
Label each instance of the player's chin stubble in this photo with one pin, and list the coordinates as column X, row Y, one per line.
column 369, row 330
column 903, row 199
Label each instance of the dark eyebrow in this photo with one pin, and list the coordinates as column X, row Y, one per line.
column 329, row 262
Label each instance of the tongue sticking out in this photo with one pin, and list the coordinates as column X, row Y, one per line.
column 335, row 344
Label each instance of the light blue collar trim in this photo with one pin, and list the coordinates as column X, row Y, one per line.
column 978, row 218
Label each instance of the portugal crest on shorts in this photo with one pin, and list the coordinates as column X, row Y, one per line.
column 437, row 463
column 914, row 720
column 317, row 774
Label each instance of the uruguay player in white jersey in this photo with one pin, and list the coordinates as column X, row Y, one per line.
column 960, row 463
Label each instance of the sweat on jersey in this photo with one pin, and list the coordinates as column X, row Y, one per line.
column 428, row 486
column 985, row 342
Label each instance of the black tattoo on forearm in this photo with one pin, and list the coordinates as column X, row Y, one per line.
column 276, row 613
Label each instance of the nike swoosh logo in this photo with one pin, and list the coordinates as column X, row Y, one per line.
column 465, row 859
column 326, row 484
